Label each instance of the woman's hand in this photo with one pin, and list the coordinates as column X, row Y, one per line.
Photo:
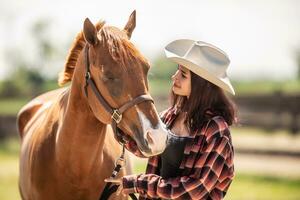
column 117, row 181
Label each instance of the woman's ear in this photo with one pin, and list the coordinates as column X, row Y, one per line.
column 90, row 32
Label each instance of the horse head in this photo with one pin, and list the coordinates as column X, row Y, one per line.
column 119, row 73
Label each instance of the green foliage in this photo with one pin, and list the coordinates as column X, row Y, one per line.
column 15, row 94
column 9, row 147
column 297, row 59
column 40, row 32
column 160, row 75
column 11, row 106
column 160, row 87
column 266, row 87
column 23, row 82
column 26, row 79
column 162, row 69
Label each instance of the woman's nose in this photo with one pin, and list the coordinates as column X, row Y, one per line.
column 174, row 75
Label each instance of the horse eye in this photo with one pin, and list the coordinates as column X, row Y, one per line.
column 109, row 79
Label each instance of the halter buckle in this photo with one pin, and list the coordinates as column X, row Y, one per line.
column 87, row 75
column 117, row 116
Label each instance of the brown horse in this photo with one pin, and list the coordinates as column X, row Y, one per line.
column 68, row 146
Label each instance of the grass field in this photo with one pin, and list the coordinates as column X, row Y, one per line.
column 11, row 106
column 244, row 187
column 9, row 150
column 266, row 87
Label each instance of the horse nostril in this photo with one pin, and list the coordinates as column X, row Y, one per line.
column 149, row 138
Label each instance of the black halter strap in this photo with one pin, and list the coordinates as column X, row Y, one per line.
column 116, row 115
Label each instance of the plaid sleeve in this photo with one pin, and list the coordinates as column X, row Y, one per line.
column 210, row 164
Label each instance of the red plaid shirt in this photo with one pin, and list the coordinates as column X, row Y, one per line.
column 207, row 168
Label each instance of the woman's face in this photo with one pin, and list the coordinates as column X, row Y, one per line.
column 182, row 81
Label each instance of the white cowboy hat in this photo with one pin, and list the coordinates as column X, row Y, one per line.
column 205, row 60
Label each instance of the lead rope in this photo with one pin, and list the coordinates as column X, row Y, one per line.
column 116, row 116
column 109, row 188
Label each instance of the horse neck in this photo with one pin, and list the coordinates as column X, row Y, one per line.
column 81, row 138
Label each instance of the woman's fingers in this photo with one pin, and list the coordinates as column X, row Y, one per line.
column 113, row 180
column 120, row 190
column 116, row 181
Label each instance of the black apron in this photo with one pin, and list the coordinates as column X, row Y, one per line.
column 172, row 157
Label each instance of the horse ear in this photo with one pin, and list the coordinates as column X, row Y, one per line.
column 90, row 32
column 130, row 24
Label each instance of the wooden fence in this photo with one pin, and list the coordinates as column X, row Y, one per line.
column 270, row 112
column 274, row 111
column 8, row 126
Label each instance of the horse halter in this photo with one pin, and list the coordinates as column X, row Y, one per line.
column 116, row 113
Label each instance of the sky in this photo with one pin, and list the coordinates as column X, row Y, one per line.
column 260, row 37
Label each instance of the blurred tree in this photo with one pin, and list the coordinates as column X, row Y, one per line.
column 162, row 68
column 298, row 64
column 26, row 79
column 44, row 45
column 9, row 89
column 23, row 82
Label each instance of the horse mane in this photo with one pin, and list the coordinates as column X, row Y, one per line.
column 120, row 49
column 76, row 48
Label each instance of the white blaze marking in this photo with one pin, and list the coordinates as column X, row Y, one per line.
column 145, row 123
column 158, row 133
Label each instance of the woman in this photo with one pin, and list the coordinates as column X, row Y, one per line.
column 198, row 160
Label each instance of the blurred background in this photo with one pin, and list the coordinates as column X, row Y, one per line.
column 262, row 39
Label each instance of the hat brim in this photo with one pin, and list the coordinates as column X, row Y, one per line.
column 222, row 82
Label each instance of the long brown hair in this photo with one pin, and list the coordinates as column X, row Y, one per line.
column 206, row 100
